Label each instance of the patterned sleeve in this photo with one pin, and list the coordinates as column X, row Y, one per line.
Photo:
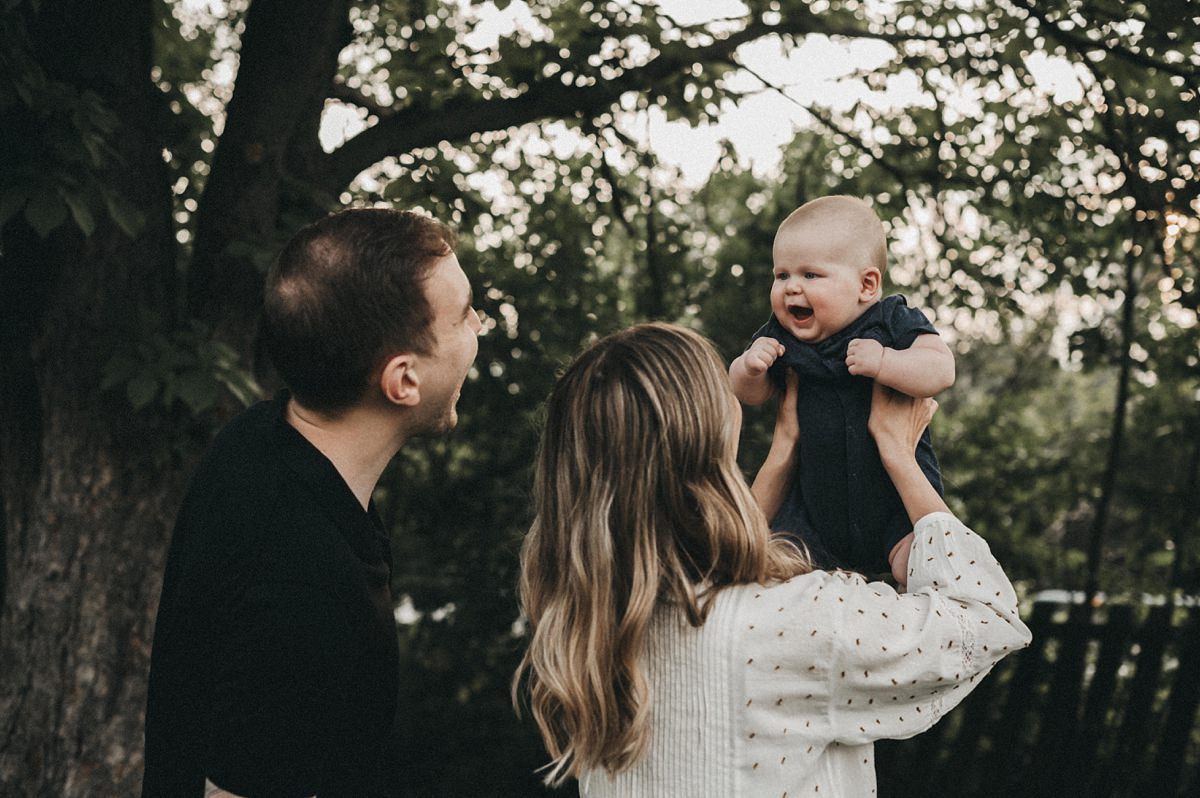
column 903, row 660
column 829, row 657
column 905, row 324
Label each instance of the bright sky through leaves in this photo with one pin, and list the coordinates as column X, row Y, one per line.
column 819, row 71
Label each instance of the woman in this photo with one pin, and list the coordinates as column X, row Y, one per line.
column 676, row 647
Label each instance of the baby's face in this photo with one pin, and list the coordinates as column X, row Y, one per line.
column 815, row 291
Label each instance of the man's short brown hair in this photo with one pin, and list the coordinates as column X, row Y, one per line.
column 346, row 292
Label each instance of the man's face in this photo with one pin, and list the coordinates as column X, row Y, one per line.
column 815, row 291
column 455, row 327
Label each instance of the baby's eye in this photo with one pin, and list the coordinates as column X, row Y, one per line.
column 810, row 275
column 781, row 275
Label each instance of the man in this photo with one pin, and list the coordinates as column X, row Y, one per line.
column 274, row 669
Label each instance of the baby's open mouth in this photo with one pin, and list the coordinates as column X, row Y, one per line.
column 799, row 313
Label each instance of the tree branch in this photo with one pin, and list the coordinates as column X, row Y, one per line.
column 421, row 126
column 1082, row 44
column 606, row 171
column 349, row 96
column 902, row 176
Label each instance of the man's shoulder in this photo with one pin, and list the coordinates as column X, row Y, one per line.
column 246, row 437
column 233, row 493
column 241, row 467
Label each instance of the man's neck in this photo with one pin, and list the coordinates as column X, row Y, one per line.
column 359, row 443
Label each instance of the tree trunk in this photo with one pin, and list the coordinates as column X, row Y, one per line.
column 288, row 62
column 1108, row 480
column 1189, row 518
column 89, row 487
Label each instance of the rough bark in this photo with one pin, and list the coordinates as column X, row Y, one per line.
column 89, row 487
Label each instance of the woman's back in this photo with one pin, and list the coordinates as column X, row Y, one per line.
column 633, row 669
column 784, row 688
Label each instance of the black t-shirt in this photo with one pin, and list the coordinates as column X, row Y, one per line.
column 841, row 503
column 274, row 670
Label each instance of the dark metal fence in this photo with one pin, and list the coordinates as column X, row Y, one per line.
column 1102, row 704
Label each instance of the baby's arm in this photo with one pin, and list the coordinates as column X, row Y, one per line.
column 924, row 369
column 748, row 371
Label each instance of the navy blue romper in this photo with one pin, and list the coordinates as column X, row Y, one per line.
column 841, row 503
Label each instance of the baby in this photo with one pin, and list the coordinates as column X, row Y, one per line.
column 830, row 325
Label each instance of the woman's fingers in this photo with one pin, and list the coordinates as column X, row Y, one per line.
column 898, row 418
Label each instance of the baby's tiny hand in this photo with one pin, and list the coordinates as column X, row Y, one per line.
column 761, row 354
column 864, row 357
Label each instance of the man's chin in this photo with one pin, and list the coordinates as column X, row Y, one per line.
column 439, row 426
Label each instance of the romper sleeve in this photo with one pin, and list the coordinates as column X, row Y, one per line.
column 904, row 324
column 900, row 661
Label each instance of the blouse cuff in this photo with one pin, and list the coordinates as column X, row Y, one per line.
column 934, row 519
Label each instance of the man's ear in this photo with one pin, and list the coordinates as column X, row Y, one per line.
column 399, row 381
column 870, row 284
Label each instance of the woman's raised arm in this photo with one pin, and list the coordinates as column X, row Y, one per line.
column 775, row 475
column 896, row 423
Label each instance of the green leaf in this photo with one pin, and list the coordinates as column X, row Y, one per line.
column 125, row 214
column 80, row 212
column 197, row 389
column 118, row 370
column 141, row 390
column 12, row 200
column 396, row 189
column 45, row 211
column 242, row 385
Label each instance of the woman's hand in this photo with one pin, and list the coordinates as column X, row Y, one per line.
column 897, row 421
column 787, row 424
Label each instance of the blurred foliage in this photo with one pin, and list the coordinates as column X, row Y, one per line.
column 187, row 367
column 1021, row 212
column 55, row 146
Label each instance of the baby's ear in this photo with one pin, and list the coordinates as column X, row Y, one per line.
column 870, row 284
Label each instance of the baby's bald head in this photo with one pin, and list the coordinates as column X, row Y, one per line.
column 843, row 223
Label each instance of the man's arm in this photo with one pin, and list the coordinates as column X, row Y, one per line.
column 924, row 369
column 748, row 371
column 278, row 683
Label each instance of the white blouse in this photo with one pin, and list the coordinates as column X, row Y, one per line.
column 784, row 689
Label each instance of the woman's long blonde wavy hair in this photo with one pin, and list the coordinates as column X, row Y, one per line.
column 639, row 502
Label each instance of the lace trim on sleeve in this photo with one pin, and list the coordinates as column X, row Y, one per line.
column 966, row 648
column 966, row 635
